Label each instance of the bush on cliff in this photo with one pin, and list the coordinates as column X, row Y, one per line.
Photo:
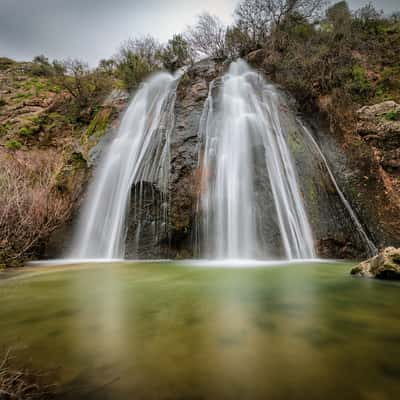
column 348, row 58
column 87, row 87
column 31, row 206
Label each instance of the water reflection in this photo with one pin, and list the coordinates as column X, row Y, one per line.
column 164, row 332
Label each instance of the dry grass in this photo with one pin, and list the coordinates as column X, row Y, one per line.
column 22, row 384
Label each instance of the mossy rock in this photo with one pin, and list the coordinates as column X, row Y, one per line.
column 72, row 172
column 99, row 123
column 96, row 129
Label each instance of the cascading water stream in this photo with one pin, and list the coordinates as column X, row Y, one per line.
column 371, row 248
column 250, row 205
column 243, row 119
column 139, row 153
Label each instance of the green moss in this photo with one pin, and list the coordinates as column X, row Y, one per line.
column 78, row 160
column 359, row 85
column 185, row 80
column 13, row 144
column 392, row 115
column 296, row 144
column 23, row 95
column 5, row 128
column 55, row 89
column 99, row 123
column 74, row 164
column 26, row 131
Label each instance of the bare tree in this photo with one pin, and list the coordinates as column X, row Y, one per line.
column 281, row 9
column 257, row 18
column 207, row 37
column 86, row 87
column 254, row 18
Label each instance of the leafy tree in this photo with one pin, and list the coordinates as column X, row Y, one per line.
column 176, row 53
column 237, row 42
column 136, row 59
column 107, row 66
column 41, row 66
column 86, row 87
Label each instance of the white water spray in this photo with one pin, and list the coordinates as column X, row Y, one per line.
column 139, row 153
column 244, row 117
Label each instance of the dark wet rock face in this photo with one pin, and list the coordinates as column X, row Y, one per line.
column 334, row 233
column 147, row 236
column 386, row 265
column 183, row 186
column 160, row 222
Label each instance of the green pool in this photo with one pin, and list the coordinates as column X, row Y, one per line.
column 176, row 331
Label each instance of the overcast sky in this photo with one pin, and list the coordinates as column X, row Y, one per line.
column 94, row 29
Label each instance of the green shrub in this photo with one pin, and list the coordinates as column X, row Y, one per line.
column 4, row 128
column 26, row 131
column 6, row 63
column 133, row 69
column 41, row 66
column 13, row 144
column 392, row 115
column 359, row 85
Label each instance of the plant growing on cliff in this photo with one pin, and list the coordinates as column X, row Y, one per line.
column 41, row 66
column 176, row 53
column 13, row 144
column 136, row 59
column 86, row 87
column 31, row 207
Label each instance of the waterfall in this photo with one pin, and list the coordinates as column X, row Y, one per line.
column 139, row 153
column 242, row 131
column 249, row 203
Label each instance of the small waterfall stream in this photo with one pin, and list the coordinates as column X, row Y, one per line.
column 242, row 131
column 139, row 153
column 371, row 248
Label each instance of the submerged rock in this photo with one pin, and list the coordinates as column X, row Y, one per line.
column 386, row 265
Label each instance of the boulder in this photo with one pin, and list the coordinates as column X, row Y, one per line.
column 379, row 126
column 385, row 265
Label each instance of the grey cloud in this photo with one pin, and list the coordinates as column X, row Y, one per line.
column 93, row 29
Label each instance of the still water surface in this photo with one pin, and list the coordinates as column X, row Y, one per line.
column 176, row 331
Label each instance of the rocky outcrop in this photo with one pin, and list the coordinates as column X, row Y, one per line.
column 386, row 265
column 192, row 93
column 379, row 125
